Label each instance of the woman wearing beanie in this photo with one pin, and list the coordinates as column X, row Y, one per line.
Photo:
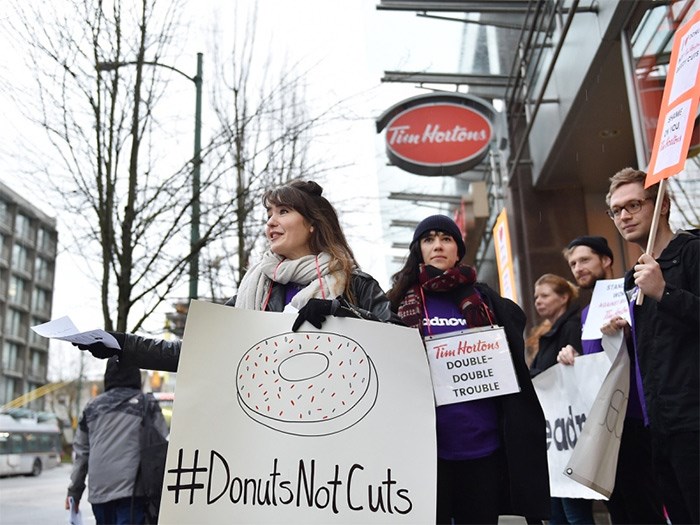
column 491, row 451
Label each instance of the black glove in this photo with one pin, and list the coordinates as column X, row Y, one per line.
column 100, row 350
column 315, row 312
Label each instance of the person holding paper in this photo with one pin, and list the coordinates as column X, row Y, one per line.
column 309, row 269
column 665, row 335
column 491, row 451
column 635, row 498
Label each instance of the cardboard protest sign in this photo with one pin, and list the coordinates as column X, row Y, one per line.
column 608, row 301
column 470, row 364
column 566, row 394
column 593, row 462
column 679, row 106
column 320, row 426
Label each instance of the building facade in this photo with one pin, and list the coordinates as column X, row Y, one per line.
column 28, row 242
column 579, row 85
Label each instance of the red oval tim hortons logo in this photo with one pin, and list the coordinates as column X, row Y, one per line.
column 439, row 134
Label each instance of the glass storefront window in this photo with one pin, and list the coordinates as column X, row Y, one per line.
column 651, row 44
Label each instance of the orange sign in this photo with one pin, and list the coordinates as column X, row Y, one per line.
column 504, row 257
column 679, row 106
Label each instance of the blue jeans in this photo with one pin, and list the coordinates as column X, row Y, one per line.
column 572, row 510
column 123, row 511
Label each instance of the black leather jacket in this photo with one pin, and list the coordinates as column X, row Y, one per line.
column 525, row 482
column 565, row 331
column 369, row 302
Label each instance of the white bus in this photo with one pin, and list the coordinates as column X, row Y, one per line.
column 28, row 446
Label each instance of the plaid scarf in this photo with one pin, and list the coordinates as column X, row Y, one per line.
column 457, row 284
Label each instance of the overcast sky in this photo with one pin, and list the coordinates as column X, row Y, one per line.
column 347, row 44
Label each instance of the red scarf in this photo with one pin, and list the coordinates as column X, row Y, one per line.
column 457, row 284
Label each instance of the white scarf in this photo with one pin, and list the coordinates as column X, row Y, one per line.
column 255, row 286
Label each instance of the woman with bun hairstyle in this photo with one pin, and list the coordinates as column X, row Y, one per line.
column 491, row 452
column 309, row 268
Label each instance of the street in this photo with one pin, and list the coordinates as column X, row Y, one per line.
column 28, row 500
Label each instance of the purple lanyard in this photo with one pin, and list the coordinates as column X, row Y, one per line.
column 637, row 372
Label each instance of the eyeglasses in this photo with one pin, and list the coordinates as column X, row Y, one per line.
column 631, row 207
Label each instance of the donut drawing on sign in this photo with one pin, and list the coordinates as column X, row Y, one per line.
column 307, row 383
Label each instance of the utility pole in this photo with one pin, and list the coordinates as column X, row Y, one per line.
column 196, row 160
column 196, row 164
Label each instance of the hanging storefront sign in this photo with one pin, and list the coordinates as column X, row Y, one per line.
column 443, row 134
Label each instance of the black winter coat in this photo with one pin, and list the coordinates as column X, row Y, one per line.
column 156, row 354
column 667, row 334
column 565, row 331
column 522, row 423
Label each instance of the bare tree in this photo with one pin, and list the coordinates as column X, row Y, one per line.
column 266, row 129
column 128, row 201
column 126, row 212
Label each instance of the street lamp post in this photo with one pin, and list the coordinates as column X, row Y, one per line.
column 196, row 159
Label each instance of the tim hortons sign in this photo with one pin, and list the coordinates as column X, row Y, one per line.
column 443, row 134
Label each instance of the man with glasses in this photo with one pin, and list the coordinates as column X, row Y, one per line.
column 665, row 335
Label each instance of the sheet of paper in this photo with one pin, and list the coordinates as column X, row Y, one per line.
column 64, row 329
column 608, row 301
column 74, row 516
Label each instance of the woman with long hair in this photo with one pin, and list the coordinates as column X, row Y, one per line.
column 561, row 321
column 560, row 326
column 309, row 268
column 491, row 451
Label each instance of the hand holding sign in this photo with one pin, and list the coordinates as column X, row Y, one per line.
column 679, row 108
column 608, row 302
column 648, row 277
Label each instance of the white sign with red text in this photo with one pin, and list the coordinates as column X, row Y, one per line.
column 470, row 364
column 608, row 301
column 679, row 105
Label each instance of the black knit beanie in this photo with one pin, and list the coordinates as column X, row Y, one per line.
column 598, row 244
column 118, row 375
column 441, row 223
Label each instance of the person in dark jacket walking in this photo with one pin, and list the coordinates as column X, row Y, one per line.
column 492, row 451
column 309, row 269
column 107, row 448
column 554, row 298
column 665, row 335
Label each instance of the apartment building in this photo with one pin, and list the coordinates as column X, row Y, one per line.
column 28, row 241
